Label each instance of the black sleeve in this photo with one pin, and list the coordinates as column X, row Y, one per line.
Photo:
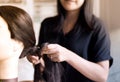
column 101, row 41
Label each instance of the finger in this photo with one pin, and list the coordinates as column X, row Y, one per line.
column 55, row 59
column 52, row 56
column 45, row 46
column 49, row 47
column 48, row 55
column 29, row 58
column 52, row 46
column 42, row 62
column 35, row 62
column 51, row 51
column 33, row 59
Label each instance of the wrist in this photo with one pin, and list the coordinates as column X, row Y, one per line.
column 70, row 56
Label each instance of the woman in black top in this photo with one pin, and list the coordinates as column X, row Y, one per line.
column 78, row 40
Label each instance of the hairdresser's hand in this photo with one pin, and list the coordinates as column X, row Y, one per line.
column 35, row 60
column 56, row 52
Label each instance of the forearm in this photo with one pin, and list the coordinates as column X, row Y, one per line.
column 93, row 71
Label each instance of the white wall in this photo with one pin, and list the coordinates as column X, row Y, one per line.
column 110, row 13
column 96, row 6
column 114, row 13
column 27, row 5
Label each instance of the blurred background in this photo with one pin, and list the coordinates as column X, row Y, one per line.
column 107, row 10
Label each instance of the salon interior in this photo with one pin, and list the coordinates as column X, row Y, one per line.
column 107, row 10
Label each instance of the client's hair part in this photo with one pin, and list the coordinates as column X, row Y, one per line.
column 19, row 24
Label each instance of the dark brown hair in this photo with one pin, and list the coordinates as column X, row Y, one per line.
column 19, row 24
column 21, row 28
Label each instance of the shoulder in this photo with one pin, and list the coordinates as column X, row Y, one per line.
column 49, row 24
column 97, row 22
column 50, row 20
column 98, row 25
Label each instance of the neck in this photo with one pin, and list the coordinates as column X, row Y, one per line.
column 70, row 20
column 9, row 68
column 72, row 15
